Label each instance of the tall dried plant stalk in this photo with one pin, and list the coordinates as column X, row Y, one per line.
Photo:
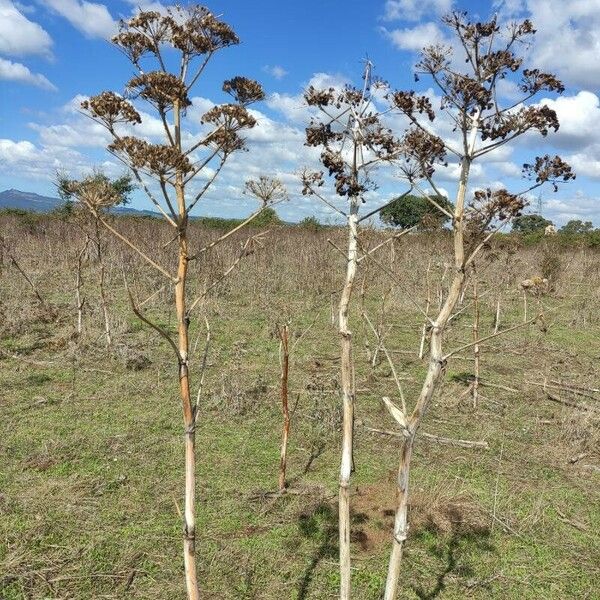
column 193, row 35
column 471, row 101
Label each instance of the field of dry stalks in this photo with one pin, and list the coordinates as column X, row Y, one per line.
column 90, row 439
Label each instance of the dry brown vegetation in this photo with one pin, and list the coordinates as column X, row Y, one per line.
column 90, row 484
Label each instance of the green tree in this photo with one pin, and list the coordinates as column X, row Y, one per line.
column 268, row 216
column 530, row 224
column 575, row 226
column 410, row 211
column 311, row 223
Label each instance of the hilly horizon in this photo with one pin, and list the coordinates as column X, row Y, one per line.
column 32, row 202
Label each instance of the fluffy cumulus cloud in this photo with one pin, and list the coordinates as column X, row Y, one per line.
column 275, row 71
column 579, row 118
column 292, row 106
column 567, row 40
column 92, row 19
column 13, row 71
column 414, row 38
column 413, row 10
column 38, row 161
column 19, row 36
column 568, row 37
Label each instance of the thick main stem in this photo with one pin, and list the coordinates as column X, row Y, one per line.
column 189, row 520
column 348, row 395
column 189, row 416
column 435, row 368
column 401, row 520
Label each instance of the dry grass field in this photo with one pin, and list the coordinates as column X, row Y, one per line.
column 91, row 437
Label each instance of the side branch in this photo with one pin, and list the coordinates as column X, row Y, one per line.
column 492, row 335
column 243, row 252
column 131, row 245
column 390, row 239
column 158, row 328
column 229, row 233
column 483, row 445
column 375, row 211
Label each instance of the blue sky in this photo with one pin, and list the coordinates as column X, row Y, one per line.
column 53, row 53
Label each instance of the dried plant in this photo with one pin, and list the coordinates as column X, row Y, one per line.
column 193, row 35
column 354, row 141
column 88, row 197
column 269, row 190
column 471, row 100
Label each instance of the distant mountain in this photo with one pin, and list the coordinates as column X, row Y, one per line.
column 28, row 201
column 36, row 203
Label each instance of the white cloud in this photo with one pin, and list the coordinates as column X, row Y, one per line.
column 294, row 108
column 144, row 5
column 19, row 36
column 587, row 162
column 275, row 71
column 13, row 71
column 413, row 10
column 327, row 80
column 80, row 131
column 568, row 36
column 92, row 19
column 568, row 39
column 415, row 38
column 579, row 206
column 38, row 162
column 12, row 152
column 78, row 134
column 579, row 118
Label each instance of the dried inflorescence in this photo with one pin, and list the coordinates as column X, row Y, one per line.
column 198, row 31
column 535, row 81
column 243, row 90
column 467, row 92
column 322, row 134
column 499, row 61
column 311, row 180
column 410, row 103
column 157, row 159
column 347, row 182
column 486, row 64
column 548, row 169
column 320, row 98
column 422, row 150
column 348, row 116
column 194, row 31
column 228, row 120
column 161, row 89
column 96, row 191
column 110, row 108
column 509, row 124
column 490, row 207
column 434, row 59
column 266, row 189
column 142, row 34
